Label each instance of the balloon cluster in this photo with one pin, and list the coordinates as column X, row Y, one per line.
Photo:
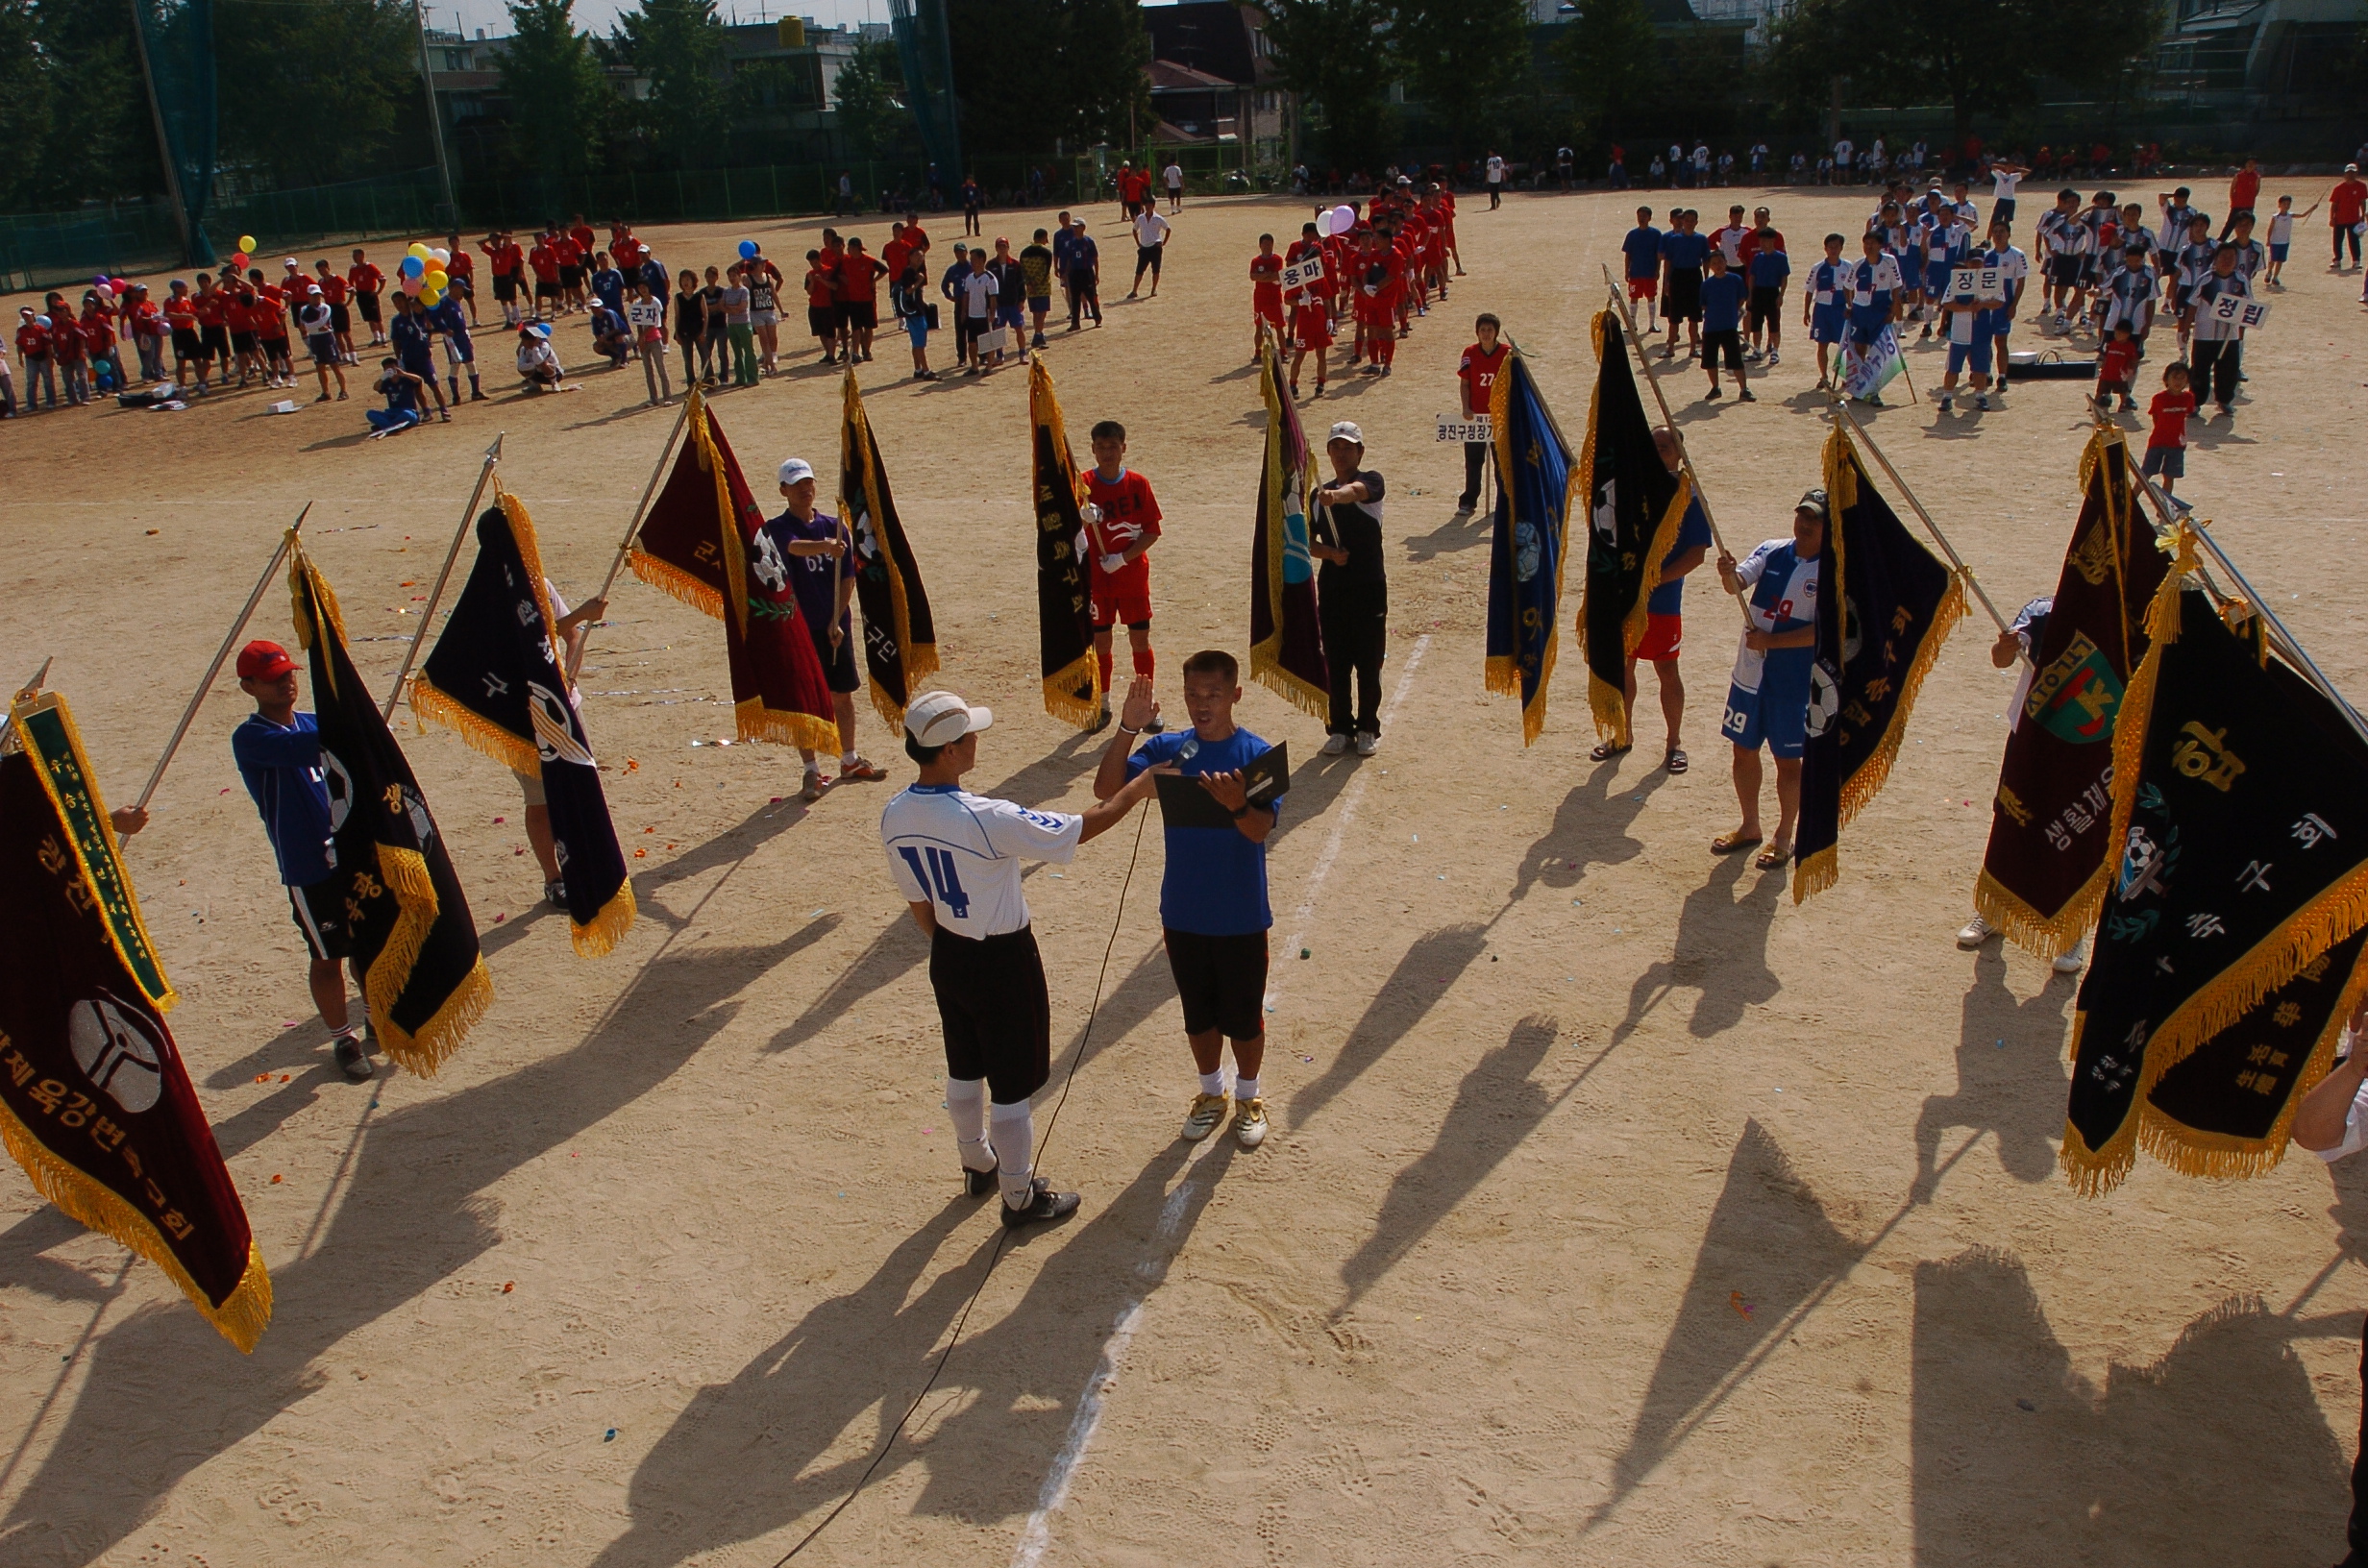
column 421, row 274
column 1339, row 220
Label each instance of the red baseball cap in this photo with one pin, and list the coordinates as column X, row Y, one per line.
column 261, row 660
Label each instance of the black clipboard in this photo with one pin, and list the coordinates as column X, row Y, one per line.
column 1184, row 803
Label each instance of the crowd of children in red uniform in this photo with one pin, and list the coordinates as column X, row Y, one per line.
column 1379, row 271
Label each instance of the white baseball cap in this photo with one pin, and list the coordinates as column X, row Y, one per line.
column 797, row 468
column 941, row 719
column 1346, row 430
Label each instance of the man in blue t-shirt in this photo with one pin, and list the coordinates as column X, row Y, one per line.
column 1723, row 294
column 1641, row 248
column 1767, row 696
column 1213, row 896
column 1683, row 251
column 1663, row 616
column 811, row 547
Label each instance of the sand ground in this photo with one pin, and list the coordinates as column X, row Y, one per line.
column 1591, row 1231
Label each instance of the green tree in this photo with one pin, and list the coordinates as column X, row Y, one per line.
column 1607, row 57
column 25, row 107
column 1031, row 73
column 1336, row 55
column 871, row 116
column 100, row 141
column 678, row 46
column 1467, row 61
column 287, row 72
column 559, row 94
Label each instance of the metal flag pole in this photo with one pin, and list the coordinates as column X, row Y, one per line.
column 1684, row 458
column 435, row 594
column 188, row 714
column 33, row 687
column 632, row 527
column 1841, row 407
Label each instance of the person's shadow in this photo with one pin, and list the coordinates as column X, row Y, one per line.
column 1719, row 951
column 2010, row 1077
column 1590, row 828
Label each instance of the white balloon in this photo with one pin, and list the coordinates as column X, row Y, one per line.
column 442, row 256
column 1343, row 219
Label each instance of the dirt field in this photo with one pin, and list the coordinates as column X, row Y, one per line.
column 1591, row 1231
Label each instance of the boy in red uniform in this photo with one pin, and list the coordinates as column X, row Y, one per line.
column 270, row 317
column 504, row 260
column 1122, row 522
column 859, row 276
column 98, row 325
column 2116, row 367
column 214, row 330
column 572, row 258
column 33, row 343
column 462, row 269
column 1266, row 293
column 241, row 323
column 65, row 345
column 822, row 304
column 368, row 284
column 1478, row 372
column 146, row 326
column 2166, row 443
column 1311, row 312
column 544, row 261
column 1378, row 292
column 181, row 320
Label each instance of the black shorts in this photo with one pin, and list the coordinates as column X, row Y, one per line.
column 823, row 320
column 992, row 1004
column 369, row 304
column 320, row 915
column 838, row 668
column 1767, row 304
column 545, row 288
column 1682, row 299
column 185, row 345
column 242, row 342
column 864, row 313
column 2064, row 271
column 1222, row 982
column 1728, row 339
column 216, row 339
column 571, row 277
column 1147, row 256
column 504, row 286
column 341, row 319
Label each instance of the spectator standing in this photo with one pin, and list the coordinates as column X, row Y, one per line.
column 2347, row 206
column 1496, row 167
column 646, row 314
column 1172, row 177
column 1152, row 231
column 1352, row 589
column 735, row 305
column 1084, row 276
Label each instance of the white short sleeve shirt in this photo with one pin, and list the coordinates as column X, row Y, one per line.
column 961, row 852
column 2355, row 1124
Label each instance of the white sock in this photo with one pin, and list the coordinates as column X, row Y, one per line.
column 848, row 759
column 1014, row 1134
column 1245, row 1089
column 966, row 1105
column 1213, row 1082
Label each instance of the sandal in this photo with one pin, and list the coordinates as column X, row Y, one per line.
column 814, row 785
column 1773, row 856
column 1606, row 750
column 861, row 771
column 1728, row 844
column 1675, row 762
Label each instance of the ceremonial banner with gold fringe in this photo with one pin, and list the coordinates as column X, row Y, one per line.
column 1286, row 633
column 499, row 677
column 899, row 635
column 94, row 1101
column 1635, row 506
column 1885, row 607
column 414, row 944
column 704, row 542
column 1536, row 483
column 2228, row 950
column 2050, row 853
column 1063, row 598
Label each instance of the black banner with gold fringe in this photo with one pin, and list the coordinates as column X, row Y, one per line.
column 1286, row 625
column 94, row 1101
column 1635, row 506
column 414, row 942
column 2050, row 853
column 1886, row 606
column 2227, row 952
column 1063, row 598
column 498, row 675
column 899, row 634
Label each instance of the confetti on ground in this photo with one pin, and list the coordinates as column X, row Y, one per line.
column 275, row 1178
column 641, row 854
column 498, row 918
column 611, row 1437
column 499, row 820
column 263, row 1077
column 284, row 1077
column 508, row 1285
column 1743, row 1309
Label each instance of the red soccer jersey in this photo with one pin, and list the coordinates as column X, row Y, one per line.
column 2169, row 411
column 213, row 309
column 365, row 278
column 859, row 276
column 143, row 320
column 1478, row 373
column 822, row 285
column 894, row 254
column 2346, row 203
column 32, row 341
column 461, row 265
column 1130, row 513
column 1266, row 290
column 333, row 288
column 271, row 314
column 66, row 339
column 567, row 250
column 97, row 331
column 2117, row 361
column 181, row 313
column 581, row 235
column 546, row 263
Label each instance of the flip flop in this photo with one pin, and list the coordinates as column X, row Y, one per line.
column 1728, row 844
column 1771, row 857
column 1675, row 762
column 1605, row 751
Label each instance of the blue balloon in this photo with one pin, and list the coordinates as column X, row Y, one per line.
column 41, row 322
column 413, row 267
column 748, row 249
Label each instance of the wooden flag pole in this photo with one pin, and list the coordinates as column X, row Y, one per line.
column 632, row 527
column 188, row 714
column 1684, row 458
column 1841, row 407
column 435, row 594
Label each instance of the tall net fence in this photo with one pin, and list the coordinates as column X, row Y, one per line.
column 175, row 40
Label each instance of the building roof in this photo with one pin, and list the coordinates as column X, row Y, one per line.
column 1166, row 75
column 1212, row 36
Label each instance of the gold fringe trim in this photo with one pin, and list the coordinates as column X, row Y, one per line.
column 1664, row 540
column 1819, row 872
column 1503, row 675
column 671, row 580
column 734, row 547
column 1606, row 702
column 519, row 755
column 243, row 1316
column 597, row 937
column 1060, row 692
column 1609, row 712
column 305, row 582
column 56, row 701
column 424, row 1050
column 1533, row 711
column 1268, row 671
column 919, row 659
column 1500, row 403
column 1867, row 782
column 531, row 556
column 1266, row 663
column 2049, row 936
column 440, row 1036
column 757, row 723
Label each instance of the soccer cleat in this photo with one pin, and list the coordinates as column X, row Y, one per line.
column 353, row 1058
column 1250, row 1124
column 1045, row 1205
column 1335, row 743
column 979, row 1183
column 1368, row 743
column 1948, row 404
column 1207, row 1110
column 1976, row 932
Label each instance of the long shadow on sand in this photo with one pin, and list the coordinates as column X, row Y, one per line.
column 1719, row 950
column 1421, row 977
column 2011, row 1075
column 164, row 1393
